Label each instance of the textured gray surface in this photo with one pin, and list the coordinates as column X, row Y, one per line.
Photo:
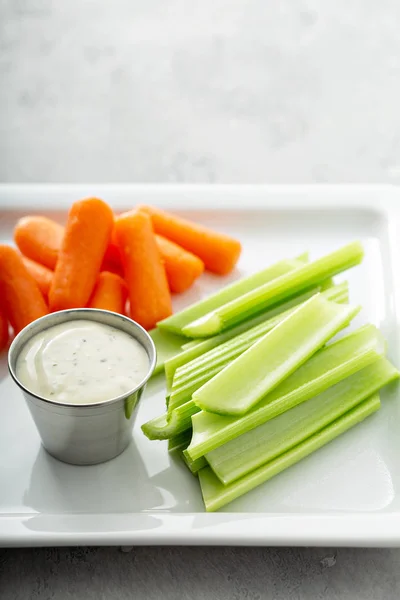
column 218, row 90
column 200, row 574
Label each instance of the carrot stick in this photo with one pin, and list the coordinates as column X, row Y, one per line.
column 182, row 267
column 39, row 238
column 149, row 296
column 42, row 275
column 22, row 300
column 218, row 251
column 3, row 329
column 110, row 293
column 86, row 238
column 112, row 259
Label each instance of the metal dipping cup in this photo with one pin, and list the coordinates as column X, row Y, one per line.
column 84, row 434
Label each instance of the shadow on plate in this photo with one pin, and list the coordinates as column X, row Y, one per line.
column 120, row 485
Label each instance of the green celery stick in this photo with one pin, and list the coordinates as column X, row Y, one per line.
column 264, row 443
column 183, row 392
column 154, row 429
column 178, row 419
column 254, row 328
column 191, row 376
column 180, row 441
column 235, row 346
column 339, row 293
column 194, row 466
column 191, row 344
column 176, row 322
column 216, row 495
column 167, row 426
column 243, row 307
column 203, row 346
column 238, row 387
column 326, row 284
column 325, row 368
column 167, row 345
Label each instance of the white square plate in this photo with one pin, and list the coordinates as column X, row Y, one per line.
column 347, row 493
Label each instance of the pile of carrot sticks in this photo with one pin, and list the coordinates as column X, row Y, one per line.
column 128, row 263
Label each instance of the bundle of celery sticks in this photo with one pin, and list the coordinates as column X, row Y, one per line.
column 255, row 382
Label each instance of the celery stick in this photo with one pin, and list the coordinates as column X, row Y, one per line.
column 336, row 292
column 182, row 393
column 230, row 349
column 216, row 495
column 257, row 326
column 243, row 307
column 274, row 357
column 328, row 366
column 178, row 419
column 326, row 284
column 191, row 344
column 194, row 466
column 262, row 444
column 154, row 429
column 191, row 376
column 167, row 345
column 167, row 426
column 202, row 346
column 176, row 322
column 179, row 441
column 325, row 368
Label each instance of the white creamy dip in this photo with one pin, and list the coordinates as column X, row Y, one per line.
column 81, row 362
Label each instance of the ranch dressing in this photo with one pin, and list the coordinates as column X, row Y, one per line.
column 81, row 362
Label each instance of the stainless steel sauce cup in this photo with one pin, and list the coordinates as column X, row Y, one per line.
column 84, row 434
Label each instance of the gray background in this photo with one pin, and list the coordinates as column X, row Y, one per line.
column 210, row 91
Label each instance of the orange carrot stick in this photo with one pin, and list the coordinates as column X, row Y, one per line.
column 3, row 329
column 86, row 238
column 112, row 259
column 39, row 238
column 110, row 293
column 182, row 267
column 22, row 300
column 42, row 275
column 218, row 251
column 150, row 299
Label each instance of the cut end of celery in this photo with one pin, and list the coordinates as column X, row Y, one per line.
column 160, row 428
column 203, row 327
column 194, row 466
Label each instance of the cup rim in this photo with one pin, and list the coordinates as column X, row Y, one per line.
column 69, row 313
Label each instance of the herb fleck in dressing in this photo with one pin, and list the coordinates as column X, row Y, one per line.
column 81, row 362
